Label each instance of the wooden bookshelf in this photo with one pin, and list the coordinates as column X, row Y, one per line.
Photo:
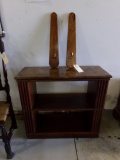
column 54, row 115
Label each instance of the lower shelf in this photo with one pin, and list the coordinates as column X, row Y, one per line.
column 68, row 124
column 52, row 122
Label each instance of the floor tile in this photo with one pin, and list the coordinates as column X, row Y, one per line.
column 97, row 149
column 45, row 149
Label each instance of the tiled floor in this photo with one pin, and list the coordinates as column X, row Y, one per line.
column 106, row 147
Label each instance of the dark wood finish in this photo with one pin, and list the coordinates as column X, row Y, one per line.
column 6, row 136
column 66, row 121
column 63, row 102
column 44, row 74
column 62, row 114
column 54, row 54
column 71, row 41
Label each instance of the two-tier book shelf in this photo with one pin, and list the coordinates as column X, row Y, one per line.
column 53, row 115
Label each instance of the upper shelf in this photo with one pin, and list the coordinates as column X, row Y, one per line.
column 63, row 102
column 62, row 74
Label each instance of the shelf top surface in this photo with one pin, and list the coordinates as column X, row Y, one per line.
column 62, row 73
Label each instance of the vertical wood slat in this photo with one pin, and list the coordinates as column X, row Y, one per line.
column 27, row 92
column 26, row 123
column 31, row 92
column 98, row 92
column 100, row 100
column 102, row 92
column 101, row 104
column 28, row 105
column 20, row 93
column 96, row 113
column 28, row 119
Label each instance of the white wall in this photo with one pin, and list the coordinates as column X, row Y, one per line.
column 27, row 38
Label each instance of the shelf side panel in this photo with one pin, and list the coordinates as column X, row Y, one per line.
column 31, row 93
column 27, row 92
column 100, row 100
column 29, row 119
